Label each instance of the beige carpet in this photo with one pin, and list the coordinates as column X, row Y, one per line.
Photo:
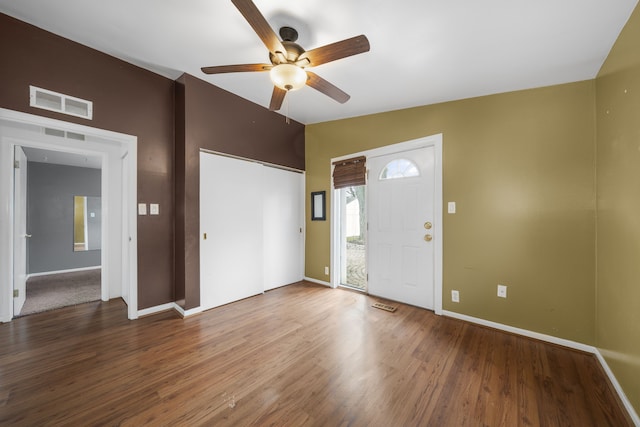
column 61, row 290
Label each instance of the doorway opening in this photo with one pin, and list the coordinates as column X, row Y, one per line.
column 57, row 230
column 353, row 237
column 118, row 154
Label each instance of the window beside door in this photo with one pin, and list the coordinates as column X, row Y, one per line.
column 353, row 266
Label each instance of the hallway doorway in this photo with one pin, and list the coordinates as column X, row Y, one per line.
column 57, row 229
column 118, row 154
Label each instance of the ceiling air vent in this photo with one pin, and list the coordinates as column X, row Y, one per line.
column 65, row 104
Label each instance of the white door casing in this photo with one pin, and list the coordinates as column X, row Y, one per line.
column 22, row 129
column 20, row 235
column 126, row 239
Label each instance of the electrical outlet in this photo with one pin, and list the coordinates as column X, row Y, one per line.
column 455, row 296
column 502, row 291
column 326, row 271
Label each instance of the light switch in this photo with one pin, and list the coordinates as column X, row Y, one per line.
column 154, row 209
column 142, row 208
column 451, row 207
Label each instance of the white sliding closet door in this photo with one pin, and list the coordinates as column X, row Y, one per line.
column 283, row 201
column 251, row 222
column 231, row 230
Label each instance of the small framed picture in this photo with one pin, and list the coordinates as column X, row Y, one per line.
column 318, row 206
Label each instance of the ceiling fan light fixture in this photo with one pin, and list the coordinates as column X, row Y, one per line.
column 288, row 76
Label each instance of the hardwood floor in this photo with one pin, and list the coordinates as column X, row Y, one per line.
column 299, row 355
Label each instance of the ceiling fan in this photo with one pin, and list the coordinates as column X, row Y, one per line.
column 289, row 60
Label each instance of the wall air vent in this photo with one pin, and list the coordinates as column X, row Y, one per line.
column 54, row 132
column 73, row 135
column 62, row 134
column 65, row 104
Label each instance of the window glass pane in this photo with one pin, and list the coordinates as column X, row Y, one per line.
column 399, row 168
column 353, row 234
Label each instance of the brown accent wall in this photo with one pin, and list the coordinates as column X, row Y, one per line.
column 618, row 209
column 126, row 99
column 214, row 119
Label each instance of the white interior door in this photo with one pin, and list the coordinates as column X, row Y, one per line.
column 20, row 235
column 401, row 215
column 283, row 216
column 231, row 230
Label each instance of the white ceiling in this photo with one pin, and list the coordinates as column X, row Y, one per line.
column 422, row 51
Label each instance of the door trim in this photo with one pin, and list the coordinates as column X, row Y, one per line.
column 109, row 142
column 428, row 141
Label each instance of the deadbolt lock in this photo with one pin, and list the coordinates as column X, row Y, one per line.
column 428, row 237
column 428, row 225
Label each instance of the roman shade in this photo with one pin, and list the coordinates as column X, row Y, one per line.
column 349, row 172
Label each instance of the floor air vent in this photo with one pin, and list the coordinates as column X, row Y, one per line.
column 385, row 307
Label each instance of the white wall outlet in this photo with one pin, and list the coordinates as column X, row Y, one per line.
column 326, row 271
column 154, row 209
column 502, row 291
column 142, row 208
column 451, row 207
column 455, row 296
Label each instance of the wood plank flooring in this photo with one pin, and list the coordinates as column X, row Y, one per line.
column 295, row 356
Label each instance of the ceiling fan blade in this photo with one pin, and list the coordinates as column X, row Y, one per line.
column 220, row 69
column 276, row 98
column 337, row 50
column 321, row 85
column 260, row 25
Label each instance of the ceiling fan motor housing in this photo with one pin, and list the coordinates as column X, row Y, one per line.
column 293, row 50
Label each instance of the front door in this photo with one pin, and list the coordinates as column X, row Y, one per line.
column 401, row 215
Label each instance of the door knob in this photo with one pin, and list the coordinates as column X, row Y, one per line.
column 428, row 225
column 27, row 235
column 428, row 237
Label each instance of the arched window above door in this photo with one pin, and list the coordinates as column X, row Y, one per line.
column 399, row 168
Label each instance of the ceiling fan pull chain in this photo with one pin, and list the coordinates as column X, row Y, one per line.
column 286, row 117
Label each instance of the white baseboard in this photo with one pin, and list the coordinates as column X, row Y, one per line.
column 559, row 341
column 187, row 313
column 156, row 309
column 524, row 332
column 630, row 409
column 71, row 270
column 319, row 282
column 169, row 306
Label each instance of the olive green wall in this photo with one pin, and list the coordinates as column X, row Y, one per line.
column 520, row 167
column 618, row 210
